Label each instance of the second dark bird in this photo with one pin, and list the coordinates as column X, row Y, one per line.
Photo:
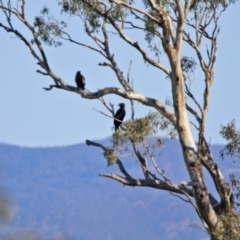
column 80, row 80
column 120, row 114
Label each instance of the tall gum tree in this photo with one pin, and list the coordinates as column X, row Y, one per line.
column 175, row 24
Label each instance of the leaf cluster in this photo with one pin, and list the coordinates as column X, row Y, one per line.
column 232, row 136
column 230, row 226
column 88, row 12
column 139, row 129
column 134, row 131
column 157, row 2
column 188, row 64
column 151, row 26
column 110, row 156
column 201, row 5
column 48, row 29
column 118, row 13
column 235, row 186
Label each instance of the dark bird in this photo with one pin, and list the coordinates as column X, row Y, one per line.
column 119, row 115
column 80, row 80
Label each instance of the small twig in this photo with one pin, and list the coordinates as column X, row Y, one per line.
column 158, row 170
column 51, row 87
column 23, row 6
column 104, row 64
column 129, row 69
column 128, row 79
column 197, row 128
column 141, row 159
column 110, row 109
column 191, row 202
column 91, row 143
column 188, row 92
column 118, row 162
column 175, row 195
column 43, row 73
column 112, row 106
column 198, row 227
column 81, row 44
column 194, row 113
column 107, row 115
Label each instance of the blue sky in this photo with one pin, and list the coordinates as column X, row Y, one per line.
column 31, row 116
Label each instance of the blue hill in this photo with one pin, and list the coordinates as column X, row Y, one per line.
column 56, row 192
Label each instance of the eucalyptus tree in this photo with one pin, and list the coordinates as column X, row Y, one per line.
column 174, row 24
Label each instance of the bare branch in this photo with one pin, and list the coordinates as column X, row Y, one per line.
column 43, row 73
column 196, row 127
column 91, row 143
column 128, row 180
column 128, row 79
column 198, row 227
column 142, row 161
column 28, row 44
column 193, row 204
column 194, row 113
column 153, row 183
column 208, row 162
column 129, row 69
column 158, row 170
column 151, row 102
column 109, row 108
column 183, row 199
column 135, row 9
column 188, row 92
column 104, row 64
column 81, row 44
column 110, row 57
column 23, row 6
column 188, row 39
column 118, row 162
column 108, row 115
column 126, row 38
column 51, row 87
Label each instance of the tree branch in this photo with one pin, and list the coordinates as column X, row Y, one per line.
column 82, row 44
column 129, row 181
column 192, row 97
column 110, row 57
column 118, row 162
column 153, row 183
column 126, row 38
column 180, row 23
column 151, row 102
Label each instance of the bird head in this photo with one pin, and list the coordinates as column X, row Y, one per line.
column 122, row 105
column 78, row 72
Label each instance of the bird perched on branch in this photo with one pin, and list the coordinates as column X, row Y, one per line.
column 119, row 115
column 80, row 80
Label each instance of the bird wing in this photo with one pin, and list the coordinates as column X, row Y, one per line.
column 120, row 114
column 83, row 80
column 123, row 114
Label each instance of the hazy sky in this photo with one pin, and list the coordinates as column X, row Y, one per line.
column 31, row 116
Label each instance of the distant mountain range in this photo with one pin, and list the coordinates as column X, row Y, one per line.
column 56, row 193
